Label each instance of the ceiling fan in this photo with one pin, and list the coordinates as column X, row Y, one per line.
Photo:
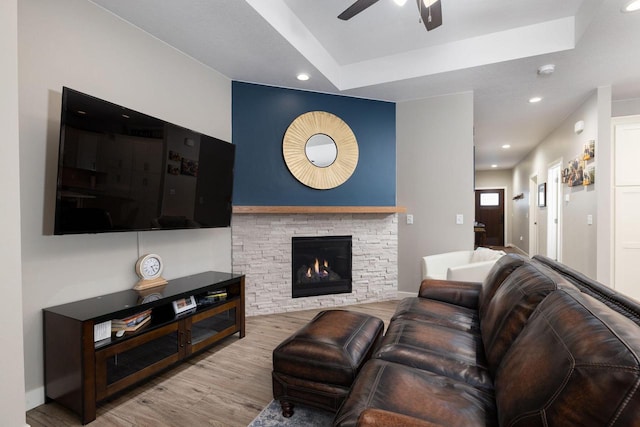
column 430, row 11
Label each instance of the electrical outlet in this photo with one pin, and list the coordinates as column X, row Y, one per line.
column 409, row 219
column 459, row 219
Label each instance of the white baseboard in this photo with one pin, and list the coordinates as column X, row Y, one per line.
column 34, row 398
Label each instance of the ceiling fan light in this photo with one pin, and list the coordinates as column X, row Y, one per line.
column 400, row 2
column 428, row 3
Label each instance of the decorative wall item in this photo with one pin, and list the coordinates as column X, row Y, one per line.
column 542, row 195
column 173, row 170
column 175, row 156
column 589, row 150
column 589, row 176
column 189, row 167
column 575, row 172
column 320, row 150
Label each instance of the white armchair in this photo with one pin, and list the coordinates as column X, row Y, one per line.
column 466, row 266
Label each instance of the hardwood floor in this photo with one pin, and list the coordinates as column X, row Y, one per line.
column 225, row 386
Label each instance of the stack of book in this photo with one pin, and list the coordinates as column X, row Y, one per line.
column 219, row 295
column 212, row 297
column 131, row 323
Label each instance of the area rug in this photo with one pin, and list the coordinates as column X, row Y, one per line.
column 271, row 416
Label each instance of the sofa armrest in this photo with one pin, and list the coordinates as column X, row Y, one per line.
column 465, row 294
column 474, row 272
column 372, row 417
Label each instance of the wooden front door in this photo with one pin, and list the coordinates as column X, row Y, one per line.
column 490, row 212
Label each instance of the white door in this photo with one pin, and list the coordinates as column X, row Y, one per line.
column 554, row 197
column 627, row 207
column 533, row 216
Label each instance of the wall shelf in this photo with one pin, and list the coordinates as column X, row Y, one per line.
column 318, row 209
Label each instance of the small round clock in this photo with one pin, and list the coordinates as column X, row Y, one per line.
column 149, row 267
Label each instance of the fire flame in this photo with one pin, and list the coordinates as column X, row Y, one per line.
column 316, row 269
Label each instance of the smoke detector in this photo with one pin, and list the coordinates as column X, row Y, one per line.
column 546, row 70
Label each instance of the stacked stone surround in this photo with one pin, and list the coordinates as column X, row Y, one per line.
column 261, row 245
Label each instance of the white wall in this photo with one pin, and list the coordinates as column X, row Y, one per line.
column 580, row 241
column 77, row 44
column 12, row 398
column 625, row 107
column 500, row 179
column 434, row 143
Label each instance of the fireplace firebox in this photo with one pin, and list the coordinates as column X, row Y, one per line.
column 320, row 265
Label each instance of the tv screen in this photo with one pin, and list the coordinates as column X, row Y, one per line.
column 121, row 170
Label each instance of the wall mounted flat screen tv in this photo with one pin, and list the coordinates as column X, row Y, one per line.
column 121, row 170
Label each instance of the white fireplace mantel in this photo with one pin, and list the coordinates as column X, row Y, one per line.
column 317, row 209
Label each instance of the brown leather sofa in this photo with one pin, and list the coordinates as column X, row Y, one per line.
column 536, row 344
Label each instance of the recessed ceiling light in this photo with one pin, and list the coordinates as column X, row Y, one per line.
column 505, row 146
column 535, row 99
column 494, row 166
column 631, row 6
column 400, row 2
column 303, row 77
column 546, row 70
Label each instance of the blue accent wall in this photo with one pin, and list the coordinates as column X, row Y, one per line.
column 260, row 118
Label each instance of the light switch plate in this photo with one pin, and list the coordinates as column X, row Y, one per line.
column 589, row 219
column 409, row 219
column 459, row 219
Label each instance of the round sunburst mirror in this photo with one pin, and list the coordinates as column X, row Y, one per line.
column 320, row 150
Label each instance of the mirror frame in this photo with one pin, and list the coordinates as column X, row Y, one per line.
column 293, row 149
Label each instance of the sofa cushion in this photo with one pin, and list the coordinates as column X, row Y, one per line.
column 511, row 306
column 464, row 294
column 485, row 254
column 496, row 277
column 617, row 301
column 415, row 393
column 453, row 353
column 438, row 312
column 576, row 363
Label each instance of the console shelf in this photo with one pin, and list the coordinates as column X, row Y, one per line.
column 79, row 373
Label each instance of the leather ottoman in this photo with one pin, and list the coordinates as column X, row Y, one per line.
column 317, row 365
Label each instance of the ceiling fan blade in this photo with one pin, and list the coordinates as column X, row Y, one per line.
column 431, row 16
column 355, row 9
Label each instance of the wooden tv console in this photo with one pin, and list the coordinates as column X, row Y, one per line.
column 79, row 372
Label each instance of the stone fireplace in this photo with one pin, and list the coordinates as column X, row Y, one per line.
column 320, row 265
column 262, row 251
